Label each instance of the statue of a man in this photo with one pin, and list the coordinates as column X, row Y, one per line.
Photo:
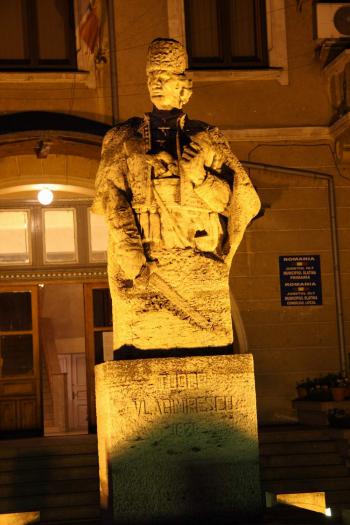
column 177, row 202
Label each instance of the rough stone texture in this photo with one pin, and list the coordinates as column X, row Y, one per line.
column 178, row 439
column 196, row 314
column 166, row 185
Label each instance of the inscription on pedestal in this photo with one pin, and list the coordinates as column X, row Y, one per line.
column 182, row 380
column 188, row 405
column 175, row 384
column 180, row 435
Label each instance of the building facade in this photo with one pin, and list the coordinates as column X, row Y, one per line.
column 273, row 76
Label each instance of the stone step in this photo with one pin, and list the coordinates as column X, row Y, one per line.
column 42, row 501
column 49, row 487
column 56, row 475
column 304, row 472
column 288, row 515
column 48, row 446
column 294, row 460
column 30, row 476
column 67, row 515
column 285, row 486
column 279, row 515
column 48, row 462
column 339, row 496
column 272, row 435
column 303, row 447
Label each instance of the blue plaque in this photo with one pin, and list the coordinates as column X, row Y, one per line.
column 300, row 280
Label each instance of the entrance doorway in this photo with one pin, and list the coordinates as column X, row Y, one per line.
column 62, row 336
column 51, row 337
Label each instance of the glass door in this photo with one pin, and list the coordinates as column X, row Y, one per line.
column 20, row 410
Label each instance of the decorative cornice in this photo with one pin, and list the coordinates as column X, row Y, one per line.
column 307, row 133
column 61, row 143
column 44, row 77
column 53, row 275
column 26, row 132
column 220, row 75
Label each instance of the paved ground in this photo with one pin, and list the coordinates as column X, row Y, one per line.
column 279, row 515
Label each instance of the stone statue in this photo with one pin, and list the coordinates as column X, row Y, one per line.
column 177, row 202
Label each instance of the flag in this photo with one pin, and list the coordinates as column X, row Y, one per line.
column 89, row 27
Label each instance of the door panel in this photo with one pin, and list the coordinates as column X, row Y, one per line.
column 79, row 392
column 66, row 368
column 26, row 413
column 8, row 416
column 17, row 355
column 74, row 365
column 98, row 320
column 20, row 405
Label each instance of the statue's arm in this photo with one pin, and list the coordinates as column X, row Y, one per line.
column 214, row 192
column 110, row 169
column 125, row 248
column 126, row 245
column 245, row 200
column 244, row 203
column 203, row 163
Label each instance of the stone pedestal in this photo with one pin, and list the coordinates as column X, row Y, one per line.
column 178, row 440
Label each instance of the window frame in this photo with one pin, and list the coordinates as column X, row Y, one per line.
column 277, row 46
column 36, row 239
column 226, row 60
column 46, row 262
column 31, row 37
column 92, row 260
column 29, row 230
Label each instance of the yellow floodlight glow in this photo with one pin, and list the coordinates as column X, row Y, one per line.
column 20, row 518
column 314, row 501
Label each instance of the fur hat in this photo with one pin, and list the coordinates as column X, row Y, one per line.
column 166, row 54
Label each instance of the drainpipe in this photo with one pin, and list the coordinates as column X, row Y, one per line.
column 112, row 60
column 334, row 237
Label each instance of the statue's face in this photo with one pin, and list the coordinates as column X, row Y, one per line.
column 167, row 90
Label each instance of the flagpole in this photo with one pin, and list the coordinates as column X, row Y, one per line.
column 112, row 60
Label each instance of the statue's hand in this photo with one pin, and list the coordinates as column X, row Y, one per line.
column 141, row 281
column 163, row 164
column 193, row 163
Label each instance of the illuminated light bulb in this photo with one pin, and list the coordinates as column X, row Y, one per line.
column 328, row 511
column 45, row 197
